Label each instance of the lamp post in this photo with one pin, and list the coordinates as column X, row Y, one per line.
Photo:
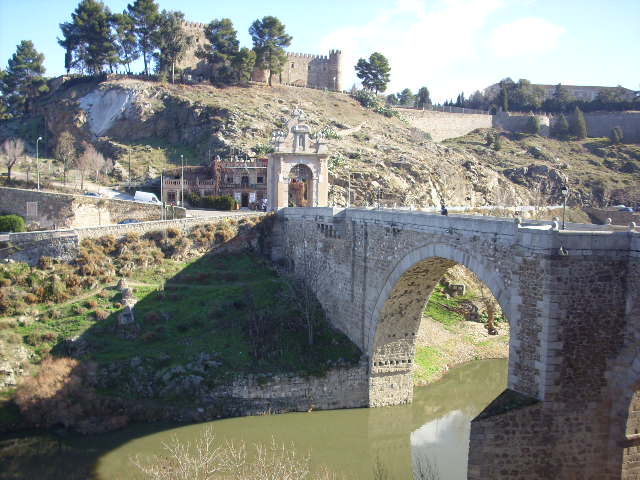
column 182, row 180
column 38, row 162
column 565, row 192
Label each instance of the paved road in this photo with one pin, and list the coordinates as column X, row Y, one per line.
column 219, row 213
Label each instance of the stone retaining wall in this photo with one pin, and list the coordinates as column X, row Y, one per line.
column 62, row 210
column 63, row 244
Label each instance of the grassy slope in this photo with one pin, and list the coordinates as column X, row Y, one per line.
column 452, row 339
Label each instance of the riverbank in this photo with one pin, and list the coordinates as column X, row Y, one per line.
column 443, row 346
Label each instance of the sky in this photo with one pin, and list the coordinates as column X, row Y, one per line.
column 448, row 46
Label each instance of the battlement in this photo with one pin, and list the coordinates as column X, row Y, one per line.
column 192, row 25
column 306, row 56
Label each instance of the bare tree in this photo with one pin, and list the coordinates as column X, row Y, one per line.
column 12, row 150
column 27, row 165
column 85, row 162
column 66, row 153
column 97, row 163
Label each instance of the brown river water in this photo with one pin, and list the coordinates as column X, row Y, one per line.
column 433, row 429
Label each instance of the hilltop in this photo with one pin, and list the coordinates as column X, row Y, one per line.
column 155, row 123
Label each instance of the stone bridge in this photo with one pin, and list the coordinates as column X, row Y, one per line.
column 572, row 406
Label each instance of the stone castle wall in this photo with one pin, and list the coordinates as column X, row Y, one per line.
column 62, row 210
column 443, row 125
column 301, row 69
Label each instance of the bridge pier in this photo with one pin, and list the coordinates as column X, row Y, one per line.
column 571, row 410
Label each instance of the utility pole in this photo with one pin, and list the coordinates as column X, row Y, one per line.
column 161, row 195
column 38, row 161
column 182, row 180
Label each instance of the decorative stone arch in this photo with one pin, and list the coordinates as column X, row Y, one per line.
column 301, row 183
column 396, row 317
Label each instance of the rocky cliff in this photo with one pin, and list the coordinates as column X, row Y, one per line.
column 386, row 158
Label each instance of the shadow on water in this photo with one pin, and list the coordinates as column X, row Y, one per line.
column 435, row 426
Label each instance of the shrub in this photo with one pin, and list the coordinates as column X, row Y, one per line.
column 31, row 298
column 45, row 263
column 12, row 223
column 100, row 315
column 616, row 135
column 78, row 310
column 533, row 125
column 92, row 303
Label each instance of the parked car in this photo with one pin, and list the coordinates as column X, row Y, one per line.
column 626, row 209
column 146, row 197
column 92, row 194
column 128, row 220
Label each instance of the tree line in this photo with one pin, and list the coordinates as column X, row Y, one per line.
column 523, row 96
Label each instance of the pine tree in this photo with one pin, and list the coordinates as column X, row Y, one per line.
column 374, row 73
column 88, row 39
column 578, row 124
column 172, row 41
column 405, row 97
column 422, row 98
column 146, row 19
column 243, row 63
column 23, row 79
column 616, row 135
column 221, row 50
column 561, row 127
column 126, row 42
column 504, row 98
column 269, row 39
column 533, row 125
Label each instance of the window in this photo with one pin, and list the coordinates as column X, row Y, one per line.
column 293, row 65
column 245, row 180
column 301, row 141
column 171, row 197
column 229, row 179
column 259, row 179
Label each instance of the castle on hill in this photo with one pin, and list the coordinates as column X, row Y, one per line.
column 301, row 69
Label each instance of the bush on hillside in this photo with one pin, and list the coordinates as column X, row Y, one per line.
column 12, row 223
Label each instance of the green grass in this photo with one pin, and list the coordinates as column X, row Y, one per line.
column 436, row 308
column 187, row 308
column 429, row 364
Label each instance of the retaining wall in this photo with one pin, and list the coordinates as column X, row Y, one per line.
column 62, row 210
column 600, row 124
column 443, row 125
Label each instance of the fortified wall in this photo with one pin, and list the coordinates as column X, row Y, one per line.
column 444, row 125
column 301, row 69
column 62, row 210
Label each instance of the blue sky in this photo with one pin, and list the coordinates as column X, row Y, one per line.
column 447, row 45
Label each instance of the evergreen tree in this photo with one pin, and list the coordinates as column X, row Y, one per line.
column 269, row 39
column 23, row 79
column 477, row 100
column 406, row 97
column 560, row 128
column 243, row 63
column 460, row 100
column 392, row 99
column 422, row 98
column 374, row 73
column 172, row 40
column 221, row 50
column 533, row 125
column 616, row 135
column 578, row 124
column 146, row 20
column 126, row 42
column 497, row 143
column 504, row 98
column 88, row 40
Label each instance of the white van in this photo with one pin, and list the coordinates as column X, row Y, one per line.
column 146, row 197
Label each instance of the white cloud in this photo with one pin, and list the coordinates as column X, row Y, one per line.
column 422, row 41
column 531, row 35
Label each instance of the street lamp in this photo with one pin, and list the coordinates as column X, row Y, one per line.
column 565, row 192
column 37, row 162
column 181, row 180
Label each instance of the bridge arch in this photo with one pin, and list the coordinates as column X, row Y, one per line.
column 398, row 312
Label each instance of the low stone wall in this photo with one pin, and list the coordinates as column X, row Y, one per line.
column 63, row 244
column 519, row 123
column 62, row 210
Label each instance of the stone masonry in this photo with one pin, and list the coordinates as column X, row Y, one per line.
column 571, row 298
column 62, row 210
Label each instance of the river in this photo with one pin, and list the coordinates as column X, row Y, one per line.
column 434, row 428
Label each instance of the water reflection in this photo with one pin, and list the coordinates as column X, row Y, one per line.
column 435, row 426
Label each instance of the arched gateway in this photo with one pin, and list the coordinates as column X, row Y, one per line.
column 570, row 410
